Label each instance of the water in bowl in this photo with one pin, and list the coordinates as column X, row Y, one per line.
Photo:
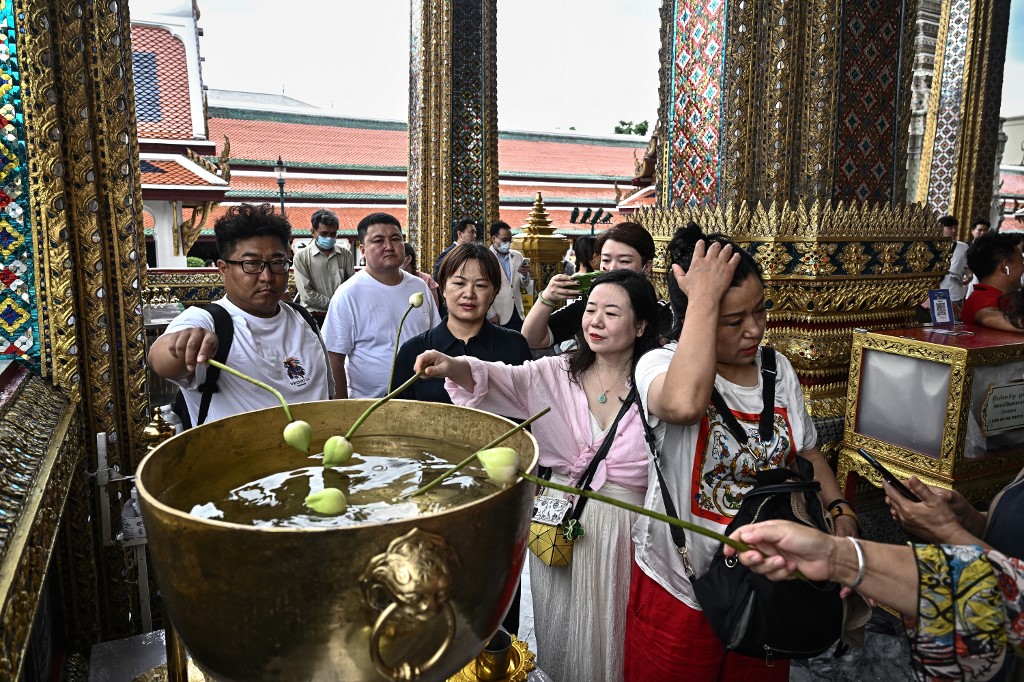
column 268, row 489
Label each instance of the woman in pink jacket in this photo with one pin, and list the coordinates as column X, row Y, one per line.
column 579, row 610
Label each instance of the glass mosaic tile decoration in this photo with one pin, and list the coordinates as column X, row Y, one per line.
column 19, row 316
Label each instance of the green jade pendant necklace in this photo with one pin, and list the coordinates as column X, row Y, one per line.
column 602, row 397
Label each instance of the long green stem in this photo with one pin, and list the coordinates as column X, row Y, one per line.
column 370, row 410
column 437, row 481
column 686, row 525
column 741, row 547
column 398, row 340
column 224, row 368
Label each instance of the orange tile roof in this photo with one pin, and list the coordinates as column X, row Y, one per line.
column 299, row 216
column 320, row 140
column 162, row 102
column 248, row 188
column 171, row 172
column 1012, row 183
column 312, row 144
column 349, row 217
column 315, row 187
column 542, row 156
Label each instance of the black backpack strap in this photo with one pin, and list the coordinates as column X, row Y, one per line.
column 305, row 315
column 768, row 377
column 224, row 328
column 766, row 424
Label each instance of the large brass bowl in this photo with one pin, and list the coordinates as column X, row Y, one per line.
column 409, row 598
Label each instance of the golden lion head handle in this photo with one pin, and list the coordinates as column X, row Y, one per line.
column 408, row 585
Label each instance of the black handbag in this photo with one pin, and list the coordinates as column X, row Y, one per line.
column 751, row 614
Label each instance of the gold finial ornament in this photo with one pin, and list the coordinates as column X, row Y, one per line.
column 158, row 430
column 539, row 221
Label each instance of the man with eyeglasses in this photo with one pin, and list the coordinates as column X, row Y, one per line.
column 271, row 342
column 365, row 312
column 321, row 267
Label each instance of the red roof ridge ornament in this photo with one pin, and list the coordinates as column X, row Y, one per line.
column 538, row 222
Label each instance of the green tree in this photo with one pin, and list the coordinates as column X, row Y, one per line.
column 640, row 128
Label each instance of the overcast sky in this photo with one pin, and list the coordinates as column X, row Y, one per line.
column 1013, row 73
column 558, row 66
column 561, row 63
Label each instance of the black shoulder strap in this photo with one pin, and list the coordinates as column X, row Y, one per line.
column 224, row 328
column 602, row 452
column 305, row 315
column 766, row 424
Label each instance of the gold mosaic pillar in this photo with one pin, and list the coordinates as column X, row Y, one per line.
column 453, row 120
column 958, row 161
column 786, row 127
column 86, row 259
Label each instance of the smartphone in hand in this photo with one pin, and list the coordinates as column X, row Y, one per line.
column 888, row 476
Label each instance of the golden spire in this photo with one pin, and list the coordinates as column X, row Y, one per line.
column 538, row 222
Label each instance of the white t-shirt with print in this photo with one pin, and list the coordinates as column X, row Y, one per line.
column 705, row 471
column 362, row 321
column 282, row 351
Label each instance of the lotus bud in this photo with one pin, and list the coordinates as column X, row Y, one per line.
column 337, row 451
column 501, row 464
column 416, row 300
column 298, row 434
column 328, row 501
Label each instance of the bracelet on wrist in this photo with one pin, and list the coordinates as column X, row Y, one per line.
column 839, row 511
column 550, row 304
column 837, row 502
column 861, row 563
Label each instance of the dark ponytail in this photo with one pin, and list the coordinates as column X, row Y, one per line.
column 680, row 252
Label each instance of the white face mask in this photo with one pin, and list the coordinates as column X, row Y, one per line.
column 503, row 247
column 325, row 242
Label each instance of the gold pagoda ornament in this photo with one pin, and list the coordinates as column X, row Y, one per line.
column 538, row 242
column 539, row 221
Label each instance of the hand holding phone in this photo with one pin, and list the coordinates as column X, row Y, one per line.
column 888, row 476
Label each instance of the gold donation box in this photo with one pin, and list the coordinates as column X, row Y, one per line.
column 943, row 403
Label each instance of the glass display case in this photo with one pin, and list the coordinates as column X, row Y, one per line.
column 943, row 403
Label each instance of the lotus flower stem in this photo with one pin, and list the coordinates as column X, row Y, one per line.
column 398, row 340
column 637, row 510
column 266, row 387
column 437, row 481
column 370, row 410
column 685, row 525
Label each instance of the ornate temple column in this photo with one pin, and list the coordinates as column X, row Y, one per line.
column 453, row 119
column 786, row 126
column 72, row 206
column 958, row 161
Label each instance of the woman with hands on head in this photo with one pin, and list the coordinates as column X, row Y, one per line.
column 962, row 605
column 580, row 609
column 718, row 302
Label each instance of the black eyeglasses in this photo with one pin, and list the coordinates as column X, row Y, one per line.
column 254, row 267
